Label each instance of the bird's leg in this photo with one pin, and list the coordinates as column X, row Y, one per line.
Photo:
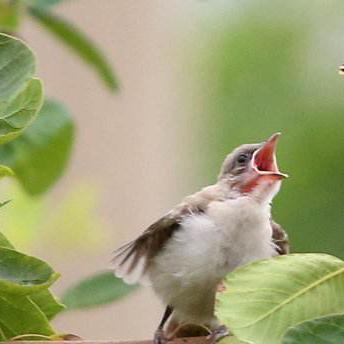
column 172, row 329
column 218, row 333
column 217, row 330
column 159, row 336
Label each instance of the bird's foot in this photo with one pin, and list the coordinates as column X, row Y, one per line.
column 218, row 333
column 159, row 337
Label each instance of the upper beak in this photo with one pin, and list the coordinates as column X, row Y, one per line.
column 264, row 159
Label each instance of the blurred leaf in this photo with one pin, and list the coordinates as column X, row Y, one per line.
column 4, row 242
column 17, row 66
column 265, row 298
column 5, row 171
column 18, row 114
column 47, row 303
column 67, row 221
column 9, row 15
column 21, row 274
column 325, row 330
column 43, row 3
column 76, row 220
column 19, row 315
column 96, row 290
column 41, row 154
column 2, row 204
column 22, row 220
column 78, row 42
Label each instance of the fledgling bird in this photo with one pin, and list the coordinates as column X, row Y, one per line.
column 187, row 253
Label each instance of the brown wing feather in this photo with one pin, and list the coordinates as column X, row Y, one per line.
column 132, row 260
column 280, row 238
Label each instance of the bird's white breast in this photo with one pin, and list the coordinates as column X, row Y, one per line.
column 244, row 231
column 210, row 245
column 205, row 249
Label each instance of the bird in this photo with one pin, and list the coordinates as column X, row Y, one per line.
column 187, row 253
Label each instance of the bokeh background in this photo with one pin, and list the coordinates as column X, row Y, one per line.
column 197, row 79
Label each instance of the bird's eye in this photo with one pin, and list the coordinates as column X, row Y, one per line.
column 242, row 158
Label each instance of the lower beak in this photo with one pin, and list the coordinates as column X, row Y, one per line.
column 264, row 159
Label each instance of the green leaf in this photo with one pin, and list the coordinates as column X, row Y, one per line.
column 21, row 274
column 325, row 330
column 4, row 242
column 231, row 340
column 18, row 114
column 5, row 171
column 40, row 155
column 3, row 335
column 19, row 315
column 78, row 42
column 265, row 298
column 5, row 332
column 96, row 290
column 47, row 303
column 17, row 66
column 33, row 277
column 44, row 299
column 20, row 94
column 9, row 15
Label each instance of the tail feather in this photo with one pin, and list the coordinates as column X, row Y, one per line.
column 129, row 264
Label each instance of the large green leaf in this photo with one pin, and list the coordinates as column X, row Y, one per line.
column 6, row 333
column 264, row 298
column 17, row 66
column 19, row 315
column 47, row 303
column 325, row 330
column 96, row 290
column 21, row 274
column 231, row 340
column 78, row 42
column 17, row 114
column 40, row 155
column 4, row 242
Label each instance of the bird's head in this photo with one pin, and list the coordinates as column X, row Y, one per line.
column 252, row 169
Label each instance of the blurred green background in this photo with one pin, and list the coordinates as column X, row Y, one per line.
column 272, row 66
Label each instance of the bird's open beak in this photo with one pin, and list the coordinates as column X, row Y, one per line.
column 264, row 159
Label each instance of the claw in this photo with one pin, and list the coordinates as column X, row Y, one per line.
column 219, row 333
column 159, row 337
